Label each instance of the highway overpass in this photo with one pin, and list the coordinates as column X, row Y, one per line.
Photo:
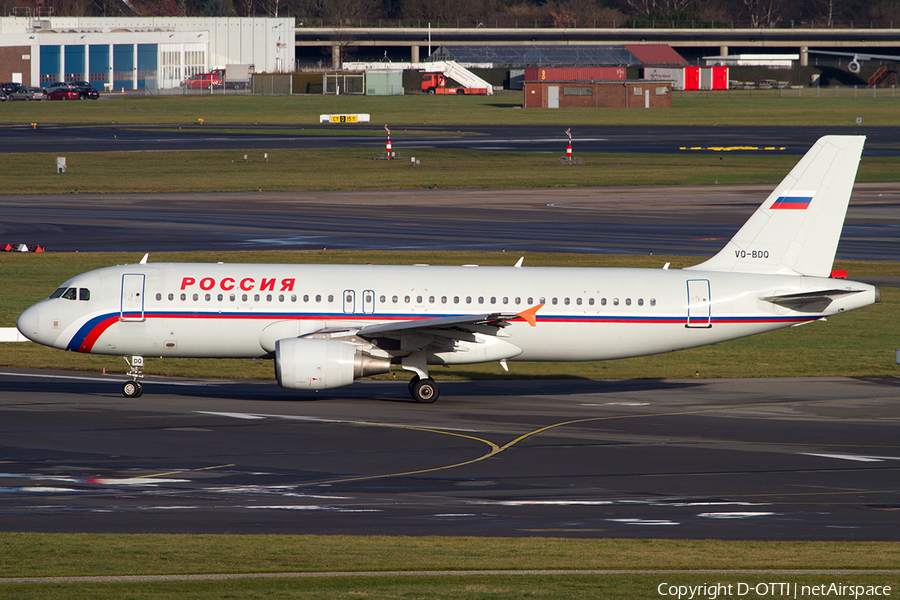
column 326, row 44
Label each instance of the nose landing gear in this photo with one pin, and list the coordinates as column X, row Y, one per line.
column 133, row 388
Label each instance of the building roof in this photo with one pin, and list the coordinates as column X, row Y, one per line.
column 539, row 56
column 656, row 54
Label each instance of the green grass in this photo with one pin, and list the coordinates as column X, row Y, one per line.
column 355, row 169
column 42, row 555
column 860, row 343
column 417, row 109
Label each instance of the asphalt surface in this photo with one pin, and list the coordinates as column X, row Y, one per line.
column 881, row 141
column 687, row 220
column 785, row 459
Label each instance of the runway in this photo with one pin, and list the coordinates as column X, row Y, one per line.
column 881, row 141
column 768, row 459
column 684, row 220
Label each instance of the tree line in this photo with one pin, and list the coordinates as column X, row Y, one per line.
column 500, row 13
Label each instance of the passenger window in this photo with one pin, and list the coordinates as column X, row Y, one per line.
column 330, row 297
column 196, row 297
column 615, row 301
column 281, row 297
column 591, row 301
column 518, row 300
column 543, row 300
column 505, row 300
column 268, row 297
column 243, row 297
column 293, row 297
column 455, row 299
column 602, row 301
column 70, row 294
column 256, row 297
column 381, row 299
column 627, row 301
column 231, row 297
column 418, row 299
column 554, row 302
column 468, row 299
column 652, row 301
column 406, row 299
column 318, row 297
column 566, row 301
column 578, row 301
column 443, row 299
column 171, row 297
column 306, row 297
column 530, row 300
column 183, row 297
column 349, row 298
column 480, row 299
column 493, row 300
column 394, row 299
column 640, row 301
column 208, row 297
column 431, row 300
column 159, row 296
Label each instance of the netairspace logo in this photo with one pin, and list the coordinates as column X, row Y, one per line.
column 772, row 590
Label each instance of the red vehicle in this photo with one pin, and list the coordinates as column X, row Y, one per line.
column 436, row 83
column 203, row 81
column 64, row 92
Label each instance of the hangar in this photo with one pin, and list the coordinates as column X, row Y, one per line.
column 133, row 53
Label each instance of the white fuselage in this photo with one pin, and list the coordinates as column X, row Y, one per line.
column 241, row 310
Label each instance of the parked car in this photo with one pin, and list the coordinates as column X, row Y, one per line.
column 86, row 90
column 36, row 94
column 64, row 92
column 3, row 97
column 15, row 91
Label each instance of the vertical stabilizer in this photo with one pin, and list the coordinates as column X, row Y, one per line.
column 797, row 229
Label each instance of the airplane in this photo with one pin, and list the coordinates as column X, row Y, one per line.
column 328, row 325
column 855, row 66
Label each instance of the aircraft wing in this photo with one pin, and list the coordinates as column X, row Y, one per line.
column 857, row 55
column 462, row 322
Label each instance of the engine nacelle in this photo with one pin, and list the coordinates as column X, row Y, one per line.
column 316, row 364
column 854, row 66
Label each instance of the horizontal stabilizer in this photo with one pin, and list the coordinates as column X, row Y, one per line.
column 809, row 301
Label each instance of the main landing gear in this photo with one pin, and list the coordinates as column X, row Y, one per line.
column 425, row 390
column 133, row 388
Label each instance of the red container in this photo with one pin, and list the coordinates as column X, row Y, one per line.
column 573, row 73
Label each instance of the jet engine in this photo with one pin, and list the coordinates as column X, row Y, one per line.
column 319, row 364
column 854, row 66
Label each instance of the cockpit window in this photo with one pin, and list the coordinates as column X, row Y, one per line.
column 84, row 294
column 58, row 293
column 71, row 294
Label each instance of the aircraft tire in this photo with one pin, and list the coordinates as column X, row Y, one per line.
column 413, row 382
column 132, row 389
column 425, row 391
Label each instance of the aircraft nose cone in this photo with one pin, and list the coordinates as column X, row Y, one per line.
column 28, row 323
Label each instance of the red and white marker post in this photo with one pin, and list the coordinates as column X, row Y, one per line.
column 387, row 146
column 569, row 146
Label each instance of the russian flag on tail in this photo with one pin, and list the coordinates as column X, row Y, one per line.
column 793, row 200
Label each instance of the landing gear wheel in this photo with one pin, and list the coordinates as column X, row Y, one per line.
column 413, row 382
column 132, row 389
column 425, row 391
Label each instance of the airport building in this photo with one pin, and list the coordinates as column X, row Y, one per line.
column 139, row 52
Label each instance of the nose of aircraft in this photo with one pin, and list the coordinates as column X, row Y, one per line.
column 28, row 323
